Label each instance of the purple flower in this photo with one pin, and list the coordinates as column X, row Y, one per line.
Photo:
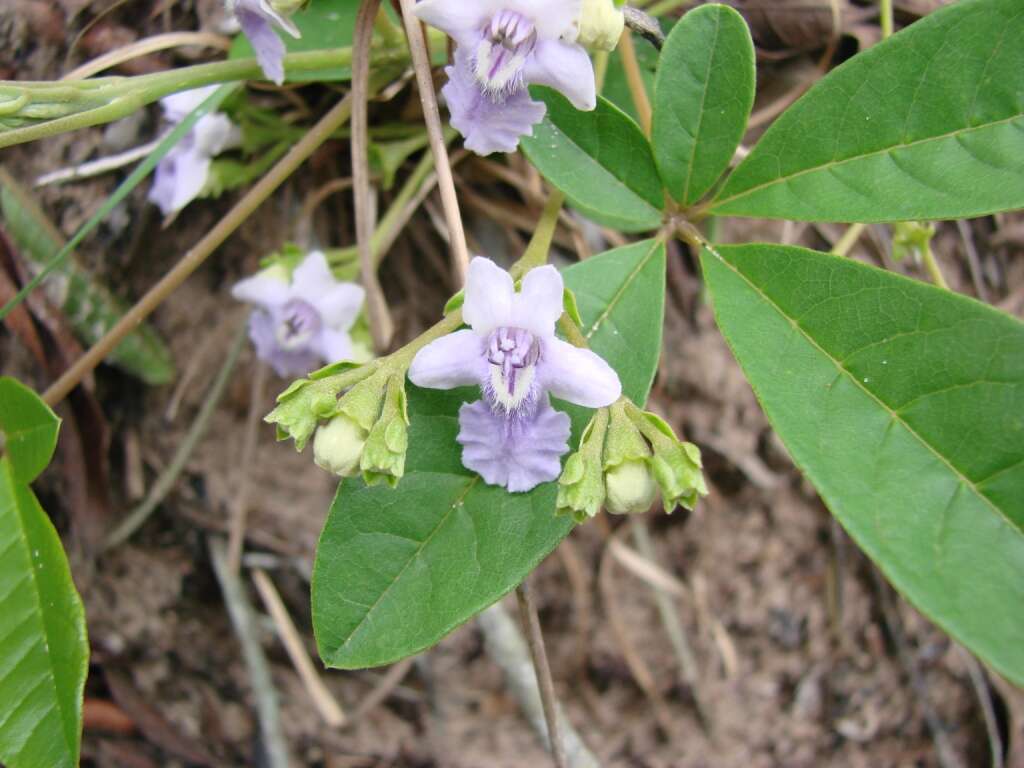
column 182, row 174
column 257, row 19
column 302, row 322
column 504, row 46
column 513, row 437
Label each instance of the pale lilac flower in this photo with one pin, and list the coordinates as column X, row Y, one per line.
column 258, row 19
column 303, row 322
column 502, row 47
column 182, row 173
column 513, row 437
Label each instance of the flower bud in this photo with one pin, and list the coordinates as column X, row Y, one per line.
column 631, row 488
column 581, row 487
column 287, row 7
column 601, row 24
column 338, row 446
column 676, row 465
column 383, row 458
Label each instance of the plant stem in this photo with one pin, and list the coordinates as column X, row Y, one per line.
column 432, row 117
column 635, row 80
column 192, row 260
column 117, row 97
column 166, row 481
column 531, row 625
column 932, row 265
column 381, row 325
column 848, row 240
column 886, row 14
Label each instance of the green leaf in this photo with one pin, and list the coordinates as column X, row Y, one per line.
column 600, row 159
column 43, row 647
column 89, row 306
column 398, row 569
column 29, row 429
column 927, row 125
column 904, row 405
column 702, row 99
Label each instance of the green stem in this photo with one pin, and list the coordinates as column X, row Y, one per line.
column 932, row 265
column 848, row 240
column 886, row 13
column 103, row 100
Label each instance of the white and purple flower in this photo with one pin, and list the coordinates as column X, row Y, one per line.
column 183, row 172
column 513, row 437
column 502, row 47
column 303, row 322
column 258, row 19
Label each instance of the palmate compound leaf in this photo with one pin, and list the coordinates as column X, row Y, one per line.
column 927, row 125
column 703, row 95
column 398, row 569
column 43, row 648
column 904, row 405
column 601, row 160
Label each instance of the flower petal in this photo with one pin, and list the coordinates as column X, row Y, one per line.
column 487, row 125
column 313, row 279
column 268, row 46
column 462, row 20
column 332, row 345
column 264, row 289
column 553, row 20
column 281, row 20
column 518, row 455
column 577, row 375
column 178, row 106
column 340, row 306
column 455, row 360
column 287, row 364
column 215, row 133
column 566, row 67
column 489, row 295
column 179, row 178
column 539, row 303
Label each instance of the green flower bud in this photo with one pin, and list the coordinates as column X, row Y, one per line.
column 307, row 402
column 601, row 25
column 911, row 238
column 287, row 7
column 338, row 446
column 631, row 488
column 383, row 458
column 581, row 487
column 676, row 465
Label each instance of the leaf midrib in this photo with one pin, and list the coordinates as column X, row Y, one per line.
column 622, row 288
column 471, row 482
column 877, row 153
column 8, row 471
column 700, row 111
column 843, row 371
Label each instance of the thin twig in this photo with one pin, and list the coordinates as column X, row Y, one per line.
column 504, row 643
column 240, row 502
column 988, row 711
column 432, row 117
column 644, row 25
column 387, row 684
column 166, row 481
column 192, row 260
column 539, row 654
column 381, row 325
column 145, row 47
column 323, row 700
column 241, row 613
column 98, row 167
column 673, row 624
column 973, row 262
column 849, row 239
column 635, row 80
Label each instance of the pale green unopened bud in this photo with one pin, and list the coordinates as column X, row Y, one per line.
column 676, row 465
column 631, row 488
column 307, row 402
column 581, row 486
column 338, row 446
column 287, row 7
column 601, row 25
column 383, row 458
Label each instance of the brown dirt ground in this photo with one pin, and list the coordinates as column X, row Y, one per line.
column 797, row 665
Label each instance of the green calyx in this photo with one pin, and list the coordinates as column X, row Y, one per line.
column 581, row 490
column 383, row 457
column 676, row 464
